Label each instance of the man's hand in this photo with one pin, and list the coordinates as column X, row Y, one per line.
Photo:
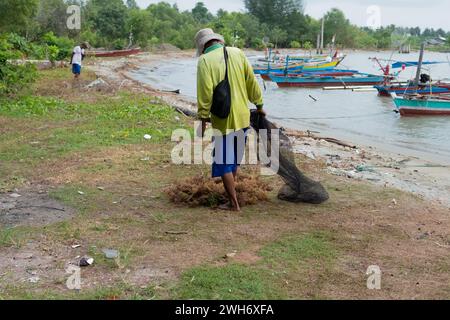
column 260, row 110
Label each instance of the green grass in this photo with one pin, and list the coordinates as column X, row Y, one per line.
column 294, row 250
column 119, row 291
column 83, row 203
column 298, row 260
column 30, row 106
column 13, row 236
column 283, row 261
column 231, row 282
column 69, row 127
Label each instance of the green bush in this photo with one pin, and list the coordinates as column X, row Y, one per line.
column 119, row 44
column 53, row 53
column 89, row 36
column 38, row 52
column 14, row 77
column 18, row 43
column 295, row 45
column 257, row 43
column 58, row 48
column 308, row 45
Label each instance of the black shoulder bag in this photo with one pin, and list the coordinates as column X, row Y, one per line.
column 221, row 105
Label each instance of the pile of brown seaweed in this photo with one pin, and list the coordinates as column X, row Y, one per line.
column 207, row 192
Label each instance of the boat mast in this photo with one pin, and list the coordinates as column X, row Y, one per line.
column 318, row 44
column 419, row 66
column 322, row 35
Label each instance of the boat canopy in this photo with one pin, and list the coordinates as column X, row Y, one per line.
column 400, row 64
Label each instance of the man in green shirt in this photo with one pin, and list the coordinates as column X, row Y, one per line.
column 244, row 89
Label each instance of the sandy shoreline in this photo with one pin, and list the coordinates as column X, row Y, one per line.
column 423, row 178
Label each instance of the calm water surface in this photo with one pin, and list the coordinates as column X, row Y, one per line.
column 360, row 117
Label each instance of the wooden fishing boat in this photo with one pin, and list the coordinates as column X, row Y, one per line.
column 419, row 105
column 421, row 85
column 297, row 67
column 322, row 65
column 282, row 59
column 308, row 58
column 387, row 90
column 266, row 68
column 324, row 73
column 116, row 53
column 360, row 79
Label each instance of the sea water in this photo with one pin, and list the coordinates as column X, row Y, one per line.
column 358, row 117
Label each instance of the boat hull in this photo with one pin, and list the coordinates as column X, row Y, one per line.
column 116, row 53
column 387, row 91
column 326, row 73
column 314, row 82
column 404, row 111
column 321, row 66
column 322, row 85
column 417, row 107
column 298, row 67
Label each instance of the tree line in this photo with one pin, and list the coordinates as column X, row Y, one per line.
column 281, row 23
column 37, row 29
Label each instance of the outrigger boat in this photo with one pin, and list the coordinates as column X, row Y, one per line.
column 281, row 59
column 423, row 86
column 324, row 73
column 289, row 67
column 415, row 105
column 360, row 79
column 438, row 88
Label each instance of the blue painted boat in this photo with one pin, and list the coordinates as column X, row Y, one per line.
column 387, row 90
column 416, row 105
column 328, row 72
column 361, row 79
column 290, row 66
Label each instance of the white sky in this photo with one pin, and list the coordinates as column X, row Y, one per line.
column 411, row 13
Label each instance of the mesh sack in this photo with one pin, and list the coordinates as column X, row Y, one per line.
column 298, row 187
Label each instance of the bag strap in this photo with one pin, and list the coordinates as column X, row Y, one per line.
column 226, row 62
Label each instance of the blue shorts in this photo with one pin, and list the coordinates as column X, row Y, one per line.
column 228, row 153
column 76, row 68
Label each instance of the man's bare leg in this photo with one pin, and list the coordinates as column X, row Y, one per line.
column 76, row 81
column 230, row 188
column 235, row 175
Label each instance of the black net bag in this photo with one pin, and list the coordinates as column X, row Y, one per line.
column 298, row 187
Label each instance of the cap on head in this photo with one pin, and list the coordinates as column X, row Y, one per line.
column 203, row 37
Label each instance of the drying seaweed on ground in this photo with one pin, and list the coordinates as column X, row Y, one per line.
column 204, row 191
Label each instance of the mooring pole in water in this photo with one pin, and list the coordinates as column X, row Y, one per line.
column 419, row 66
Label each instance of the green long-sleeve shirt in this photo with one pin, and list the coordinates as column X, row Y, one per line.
column 243, row 83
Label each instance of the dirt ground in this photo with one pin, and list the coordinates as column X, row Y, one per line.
column 31, row 209
column 82, row 201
